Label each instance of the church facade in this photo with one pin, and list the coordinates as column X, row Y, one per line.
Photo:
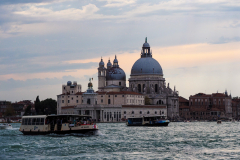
column 114, row 101
column 147, row 78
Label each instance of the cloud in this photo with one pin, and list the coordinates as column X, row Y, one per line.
column 118, row 3
column 41, row 66
column 87, row 11
column 222, row 40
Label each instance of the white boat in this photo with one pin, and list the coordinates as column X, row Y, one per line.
column 58, row 124
column 5, row 126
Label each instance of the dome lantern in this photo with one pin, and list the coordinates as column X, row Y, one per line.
column 146, row 65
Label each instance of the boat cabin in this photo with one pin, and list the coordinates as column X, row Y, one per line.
column 44, row 124
column 148, row 121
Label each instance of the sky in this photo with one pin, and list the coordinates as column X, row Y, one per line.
column 45, row 43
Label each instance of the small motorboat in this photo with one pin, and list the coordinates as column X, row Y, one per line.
column 5, row 126
column 219, row 122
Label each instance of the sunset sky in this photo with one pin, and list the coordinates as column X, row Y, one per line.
column 45, row 43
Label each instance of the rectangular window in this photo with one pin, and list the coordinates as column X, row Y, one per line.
column 37, row 121
column 115, row 115
column 122, row 95
column 62, row 101
column 42, row 121
column 105, row 115
column 77, row 101
column 119, row 114
column 29, row 121
column 115, row 95
column 101, row 100
column 34, row 121
column 68, row 101
column 109, row 101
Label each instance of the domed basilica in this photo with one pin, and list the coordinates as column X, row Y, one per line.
column 146, row 78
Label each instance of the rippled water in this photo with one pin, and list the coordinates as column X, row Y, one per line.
column 195, row 140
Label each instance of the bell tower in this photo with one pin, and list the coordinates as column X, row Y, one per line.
column 101, row 76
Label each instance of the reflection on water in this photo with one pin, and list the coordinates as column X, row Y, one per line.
column 195, row 140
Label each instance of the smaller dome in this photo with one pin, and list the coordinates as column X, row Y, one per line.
column 115, row 74
column 109, row 64
column 101, row 63
column 69, row 83
column 146, row 44
column 115, row 60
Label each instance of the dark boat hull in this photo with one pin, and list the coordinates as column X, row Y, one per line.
column 60, row 132
column 151, row 125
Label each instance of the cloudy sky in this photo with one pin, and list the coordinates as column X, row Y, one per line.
column 45, row 43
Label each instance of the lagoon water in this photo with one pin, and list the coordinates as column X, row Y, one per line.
column 194, row 140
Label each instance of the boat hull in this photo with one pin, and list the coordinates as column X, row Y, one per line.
column 85, row 131
column 151, row 125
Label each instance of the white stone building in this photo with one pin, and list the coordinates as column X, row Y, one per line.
column 114, row 101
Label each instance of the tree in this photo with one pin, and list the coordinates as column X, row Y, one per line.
column 49, row 106
column 28, row 110
column 147, row 100
column 9, row 111
column 38, row 106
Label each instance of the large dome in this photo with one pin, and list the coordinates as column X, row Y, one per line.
column 115, row 73
column 146, row 66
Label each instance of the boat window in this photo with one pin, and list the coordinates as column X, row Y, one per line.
column 25, row 121
column 29, row 121
column 42, row 121
column 37, row 121
column 34, row 121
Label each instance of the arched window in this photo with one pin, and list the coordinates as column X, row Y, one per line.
column 155, row 112
column 132, row 112
column 148, row 112
column 119, row 83
column 88, row 101
column 140, row 112
column 139, row 87
column 143, row 87
column 160, row 102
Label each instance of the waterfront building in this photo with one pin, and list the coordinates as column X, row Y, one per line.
column 184, row 108
column 236, row 108
column 210, row 106
column 3, row 106
column 114, row 100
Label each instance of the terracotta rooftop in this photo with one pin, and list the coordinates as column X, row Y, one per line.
column 182, row 99
column 121, row 92
column 201, row 95
column 144, row 106
column 67, row 107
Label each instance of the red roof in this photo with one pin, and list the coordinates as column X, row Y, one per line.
column 144, row 106
column 121, row 92
column 78, row 93
column 67, row 107
column 181, row 99
column 201, row 95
